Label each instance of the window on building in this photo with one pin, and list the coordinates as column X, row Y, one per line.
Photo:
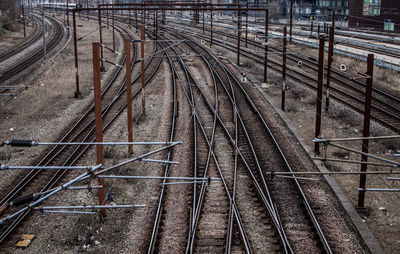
column 372, row 8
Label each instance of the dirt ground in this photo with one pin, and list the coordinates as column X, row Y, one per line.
column 10, row 39
column 381, row 215
column 48, row 106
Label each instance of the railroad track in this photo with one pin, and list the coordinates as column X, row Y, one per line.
column 34, row 37
column 36, row 55
column 82, row 131
column 350, row 92
column 385, row 50
column 229, row 228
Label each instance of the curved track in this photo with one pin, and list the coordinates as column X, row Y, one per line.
column 218, row 222
column 34, row 37
column 38, row 54
column 82, row 131
column 350, row 92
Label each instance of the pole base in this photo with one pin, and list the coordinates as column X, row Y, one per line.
column 78, row 94
column 102, row 69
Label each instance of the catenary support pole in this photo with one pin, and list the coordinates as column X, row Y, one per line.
column 319, row 91
column 67, row 19
column 211, row 31
column 101, row 42
column 44, row 37
column 284, row 42
column 113, row 27
column 23, row 19
column 247, row 22
column 328, row 73
column 142, row 38
column 239, row 27
column 367, row 119
column 108, row 18
column 202, row 14
column 87, row 6
column 129, row 93
column 291, row 20
column 78, row 93
column 98, row 120
column 156, row 23
column 266, row 46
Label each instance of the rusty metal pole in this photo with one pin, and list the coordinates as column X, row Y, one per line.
column 23, row 19
column 129, row 93
column 142, row 38
column 203, row 18
column 266, row 46
column 247, row 21
column 284, row 68
column 67, row 19
column 108, row 25
column 101, row 41
column 78, row 93
column 136, row 18
column 156, row 24
column 291, row 20
column 87, row 6
column 239, row 27
column 330, row 59
column 211, row 31
column 113, row 27
column 130, row 18
column 98, row 120
column 319, row 91
column 367, row 119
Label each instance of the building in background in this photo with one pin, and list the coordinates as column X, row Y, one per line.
column 380, row 15
column 318, row 9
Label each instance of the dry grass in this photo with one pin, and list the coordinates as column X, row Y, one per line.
column 292, row 107
column 341, row 153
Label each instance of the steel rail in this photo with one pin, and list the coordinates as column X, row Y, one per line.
column 308, row 207
column 34, row 37
column 312, row 64
column 233, row 206
column 56, row 178
column 257, row 186
column 38, row 54
column 384, row 122
column 174, row 115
